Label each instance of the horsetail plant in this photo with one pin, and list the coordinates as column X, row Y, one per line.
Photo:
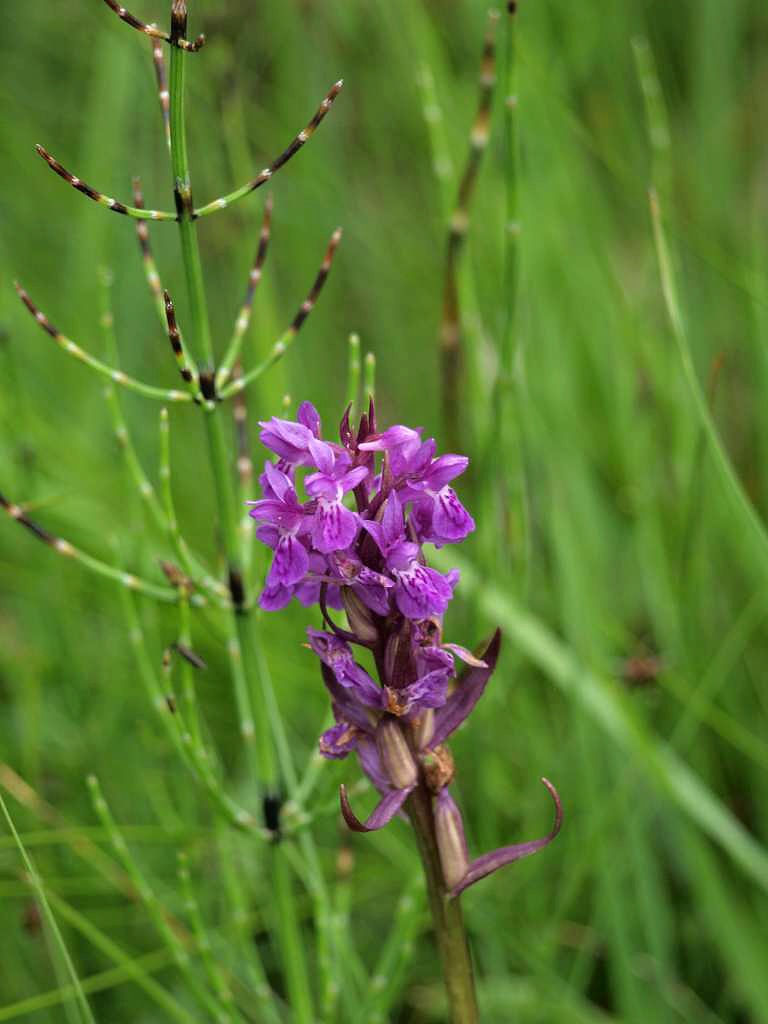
column 208, row 382
column 370, row 563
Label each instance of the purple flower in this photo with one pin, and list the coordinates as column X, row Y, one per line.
column 282, row 518
column 334, row 527
column 337, row 655
column 368, row 559
column 419, row 590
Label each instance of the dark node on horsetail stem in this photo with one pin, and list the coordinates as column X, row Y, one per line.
column 271, row 806
column 370, row 562
column 178, row 26
column 237, row 590
column 207, row 380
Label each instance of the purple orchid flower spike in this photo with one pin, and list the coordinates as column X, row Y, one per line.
column 357, row 543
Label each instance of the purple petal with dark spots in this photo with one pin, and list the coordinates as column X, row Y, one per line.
column 451, row 522
column 421, row 591
column 491, row 862
column 384, row 812
column 469, row 689
column 334, row 527
column 290, row 563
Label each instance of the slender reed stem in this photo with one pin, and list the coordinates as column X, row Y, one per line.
column 447, row 918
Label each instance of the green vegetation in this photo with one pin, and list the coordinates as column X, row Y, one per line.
column 614, row 407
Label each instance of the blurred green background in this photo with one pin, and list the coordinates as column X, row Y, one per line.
column 630, row 585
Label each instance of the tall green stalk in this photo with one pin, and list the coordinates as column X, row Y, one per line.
column 241, row 636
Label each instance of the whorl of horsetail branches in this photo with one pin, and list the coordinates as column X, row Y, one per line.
column 282, row 344
column 98, row 197
column 175, row 38
column 116, row 376
column 295, row 145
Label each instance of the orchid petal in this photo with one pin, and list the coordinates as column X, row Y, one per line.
column 450, row 520
column 322, row 455
column 345, row 701
column 290, row 563
column 491, row 862
column 466, row 656
column 444, row 469
column 370, row 762
column 334, row 527
column 469, row 689
column 383, row 813
column 309, row 417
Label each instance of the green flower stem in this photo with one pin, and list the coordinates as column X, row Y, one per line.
column 447, row 918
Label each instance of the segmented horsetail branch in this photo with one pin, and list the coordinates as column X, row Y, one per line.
column 98, row 197
column 117, row 376
column 63, row 547
column 450, row 332
column 150, row 267
column 282, row 344
column 244, row 318
column 187, row 369
column 153, row 31
column 158, row 59
column 304, row 136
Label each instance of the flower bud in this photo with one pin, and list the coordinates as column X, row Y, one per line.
column 395, row 754
column 398, row 657
column 359, row 616
column 451, row 844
